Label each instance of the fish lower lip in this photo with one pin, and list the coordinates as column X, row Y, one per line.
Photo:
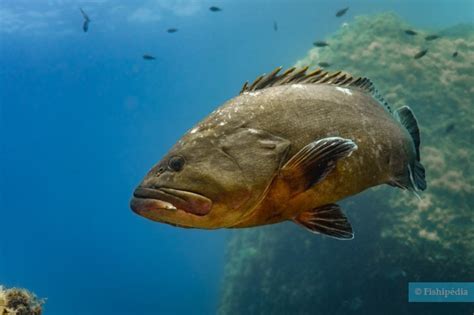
column 170, row 199
column 139, row 204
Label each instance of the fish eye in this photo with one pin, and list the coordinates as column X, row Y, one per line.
column 176, row 163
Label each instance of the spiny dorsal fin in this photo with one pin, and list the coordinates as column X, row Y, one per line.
column 318, row 76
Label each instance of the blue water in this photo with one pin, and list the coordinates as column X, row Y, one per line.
column 83, row 117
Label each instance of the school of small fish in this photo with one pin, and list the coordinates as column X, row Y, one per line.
column 319, row 43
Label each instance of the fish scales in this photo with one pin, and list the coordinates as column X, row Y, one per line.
column 303, row 113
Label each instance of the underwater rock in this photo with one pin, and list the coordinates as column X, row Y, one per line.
column 17, row 301
column 399, row 238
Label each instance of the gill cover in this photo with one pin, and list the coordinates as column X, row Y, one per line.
column 258, row 154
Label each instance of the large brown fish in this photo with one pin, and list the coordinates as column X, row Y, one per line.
column 287, row 148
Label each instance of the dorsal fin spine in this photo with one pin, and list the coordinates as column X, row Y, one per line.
column 340, row 79
column 347, row 81
column 318, row 76
column 254, row 84
column 268, row 79
column 244, row 87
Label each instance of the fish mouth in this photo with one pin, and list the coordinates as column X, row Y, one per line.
column 148, row 199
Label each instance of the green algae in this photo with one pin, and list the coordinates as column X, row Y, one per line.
column 283, row 269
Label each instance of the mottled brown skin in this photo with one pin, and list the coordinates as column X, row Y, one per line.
column 384, row 147
column 235, row 155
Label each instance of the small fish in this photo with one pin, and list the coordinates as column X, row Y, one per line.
column 148, row 57
column 87, row 20
column 342, row 12
column 172, row 30
column 455, row 54
column 450, row 127
column 410, row 32
column 420, row 54
column 275, row 26
column 431, row 37
column 324, row 64
column 215, row 9
column 287, row 148
column 320, row 44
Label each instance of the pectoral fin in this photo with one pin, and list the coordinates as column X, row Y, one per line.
column 328, row 220
column 314, row 162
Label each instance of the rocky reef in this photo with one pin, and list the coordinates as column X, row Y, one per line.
column 16, row 301
column 283, row 269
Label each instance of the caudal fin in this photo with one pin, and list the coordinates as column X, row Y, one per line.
column 408, row 120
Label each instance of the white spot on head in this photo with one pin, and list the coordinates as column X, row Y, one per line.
column 254, row 93
column 222, row 123
column 253, row 131
column 194, row 130
column 298, row 86
column 344, row 90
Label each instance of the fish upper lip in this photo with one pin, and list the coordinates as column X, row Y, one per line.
column 173, row 199
column 147, row 193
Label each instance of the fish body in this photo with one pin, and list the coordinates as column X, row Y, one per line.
column 87, row 20
column 148, row 57
column 284, row 151
column 275, row 26
column 410, row 32
column 431, row 37
column 324, row 64
column 215, row 9
column 342, row 12
column 420, row 54
column 455, row 54
column 172, row 30
column 450, row 127
column 320, row 44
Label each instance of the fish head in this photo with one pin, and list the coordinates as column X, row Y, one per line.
column 210, row 179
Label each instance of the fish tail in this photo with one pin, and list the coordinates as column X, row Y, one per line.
column 408, row 120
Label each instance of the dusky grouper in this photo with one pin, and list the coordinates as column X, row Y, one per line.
column 287, row 148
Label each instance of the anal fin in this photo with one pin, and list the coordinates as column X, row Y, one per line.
column 328, row 220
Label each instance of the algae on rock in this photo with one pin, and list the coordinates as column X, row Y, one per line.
column 15, row 301
column 283, row 269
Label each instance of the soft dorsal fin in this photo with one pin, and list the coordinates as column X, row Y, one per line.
column 319, row 76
